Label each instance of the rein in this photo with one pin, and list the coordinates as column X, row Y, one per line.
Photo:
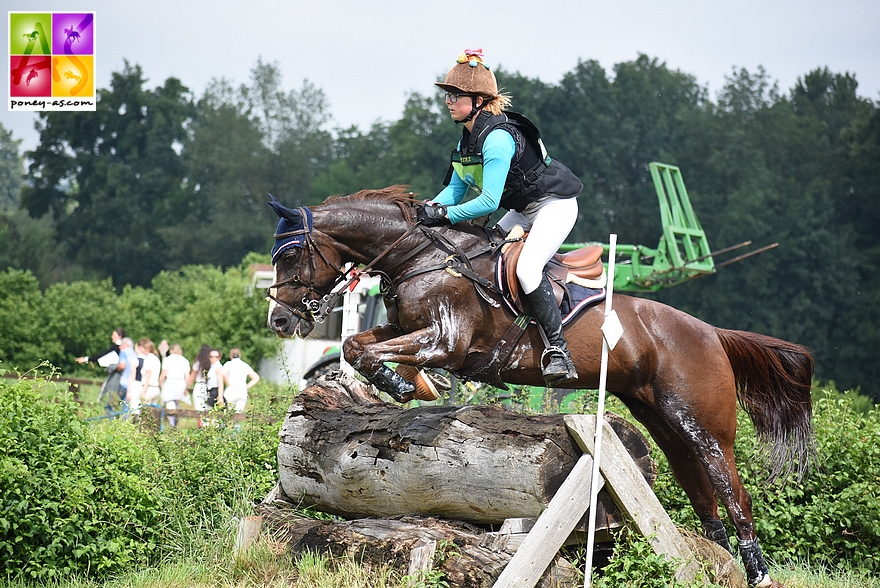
column 458, row 263
column 320, row 308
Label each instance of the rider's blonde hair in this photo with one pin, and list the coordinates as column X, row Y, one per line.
column 498, row 104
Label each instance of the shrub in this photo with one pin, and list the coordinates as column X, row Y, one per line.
column 73, row 499
column 82, row 315
column 206, row 469
column 24, row 338
column 834, row 515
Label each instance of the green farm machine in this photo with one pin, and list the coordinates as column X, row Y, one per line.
column 683, row 251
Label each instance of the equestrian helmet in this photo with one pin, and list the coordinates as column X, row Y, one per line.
column 470, row 75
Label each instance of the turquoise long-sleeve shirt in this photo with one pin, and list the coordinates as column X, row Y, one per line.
column 498, row 151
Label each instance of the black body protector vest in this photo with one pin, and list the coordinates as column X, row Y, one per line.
column 532, row 176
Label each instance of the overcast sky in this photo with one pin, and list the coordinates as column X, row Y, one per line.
column 367, row 56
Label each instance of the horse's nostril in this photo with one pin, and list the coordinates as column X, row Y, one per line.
column 280, row 323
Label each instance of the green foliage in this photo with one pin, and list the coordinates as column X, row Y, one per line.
column 192, row 306
column 81, row 315
column 11, row 168
column 833, row 516
column 634, row 563
column 90, row 500
column 113, row 177
column 205, row 305
column 24, row 339
column 73, row 499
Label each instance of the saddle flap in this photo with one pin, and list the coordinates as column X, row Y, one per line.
column 582, row 266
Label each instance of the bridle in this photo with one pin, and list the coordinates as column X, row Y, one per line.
column 318, row 308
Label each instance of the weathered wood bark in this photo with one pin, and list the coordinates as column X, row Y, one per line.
column 467, row 557
column 345, row 452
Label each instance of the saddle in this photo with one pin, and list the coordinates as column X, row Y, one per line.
column 582, row 267
column 578, row 280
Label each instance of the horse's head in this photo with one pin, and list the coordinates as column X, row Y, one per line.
column 302, row 278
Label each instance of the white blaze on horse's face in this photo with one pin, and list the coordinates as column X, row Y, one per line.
column 272, row 293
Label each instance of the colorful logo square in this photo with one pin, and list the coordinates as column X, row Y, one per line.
column 72, row 33
column 31, row 75
column 29, row 33
column 73, row 75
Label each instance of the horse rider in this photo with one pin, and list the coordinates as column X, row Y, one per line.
column 501, row 158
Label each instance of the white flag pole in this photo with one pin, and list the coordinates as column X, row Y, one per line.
column 611, row 332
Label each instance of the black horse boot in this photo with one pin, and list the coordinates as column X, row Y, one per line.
column 393, row 383
column 560, row 369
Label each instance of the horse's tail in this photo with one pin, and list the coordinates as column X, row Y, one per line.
column 773, row 381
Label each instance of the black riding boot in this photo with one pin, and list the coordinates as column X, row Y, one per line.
column 393, row 383
column 560, row 369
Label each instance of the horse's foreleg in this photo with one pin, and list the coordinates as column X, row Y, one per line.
column 369, row 351
column 353, row 347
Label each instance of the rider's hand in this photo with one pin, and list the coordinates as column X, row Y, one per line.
column 432, row 215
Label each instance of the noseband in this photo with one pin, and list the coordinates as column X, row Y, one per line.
column 314, row 308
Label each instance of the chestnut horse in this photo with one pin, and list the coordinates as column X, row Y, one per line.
column 680, row 377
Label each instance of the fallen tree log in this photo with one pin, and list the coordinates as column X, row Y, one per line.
column 466, row 556
column 345, row 452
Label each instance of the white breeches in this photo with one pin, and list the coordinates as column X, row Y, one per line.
column 548, row 226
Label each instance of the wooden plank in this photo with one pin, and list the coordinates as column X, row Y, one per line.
column 634, row 496
column 421, row 558
column 551, row 529
column 248, row 531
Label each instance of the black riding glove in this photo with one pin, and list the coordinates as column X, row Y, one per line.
column 432, row 215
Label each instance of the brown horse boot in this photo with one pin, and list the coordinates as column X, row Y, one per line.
column 560, row 369
column 393, row 383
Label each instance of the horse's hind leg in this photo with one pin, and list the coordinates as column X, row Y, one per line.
column 693, row 480
column 699, row 448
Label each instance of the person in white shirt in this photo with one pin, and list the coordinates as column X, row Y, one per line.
column 240, row 378
column 150, row 372
column 175, row 370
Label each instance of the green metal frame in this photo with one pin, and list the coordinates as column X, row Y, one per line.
column 683, row 251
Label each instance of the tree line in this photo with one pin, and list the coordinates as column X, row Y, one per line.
column 157, row 179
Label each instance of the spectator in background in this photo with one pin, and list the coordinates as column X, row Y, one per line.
column 150, row 372
column 128, row 362
column 240, row 378
column 173, row 380
column 198, row 378
column 109, row 360
column 136, row 384
column 115, row 338
column 215, row 380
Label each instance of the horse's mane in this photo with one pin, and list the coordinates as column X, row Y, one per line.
column 398, row 194
column 404, row 198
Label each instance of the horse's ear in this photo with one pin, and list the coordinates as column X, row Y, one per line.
column 291, row 214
